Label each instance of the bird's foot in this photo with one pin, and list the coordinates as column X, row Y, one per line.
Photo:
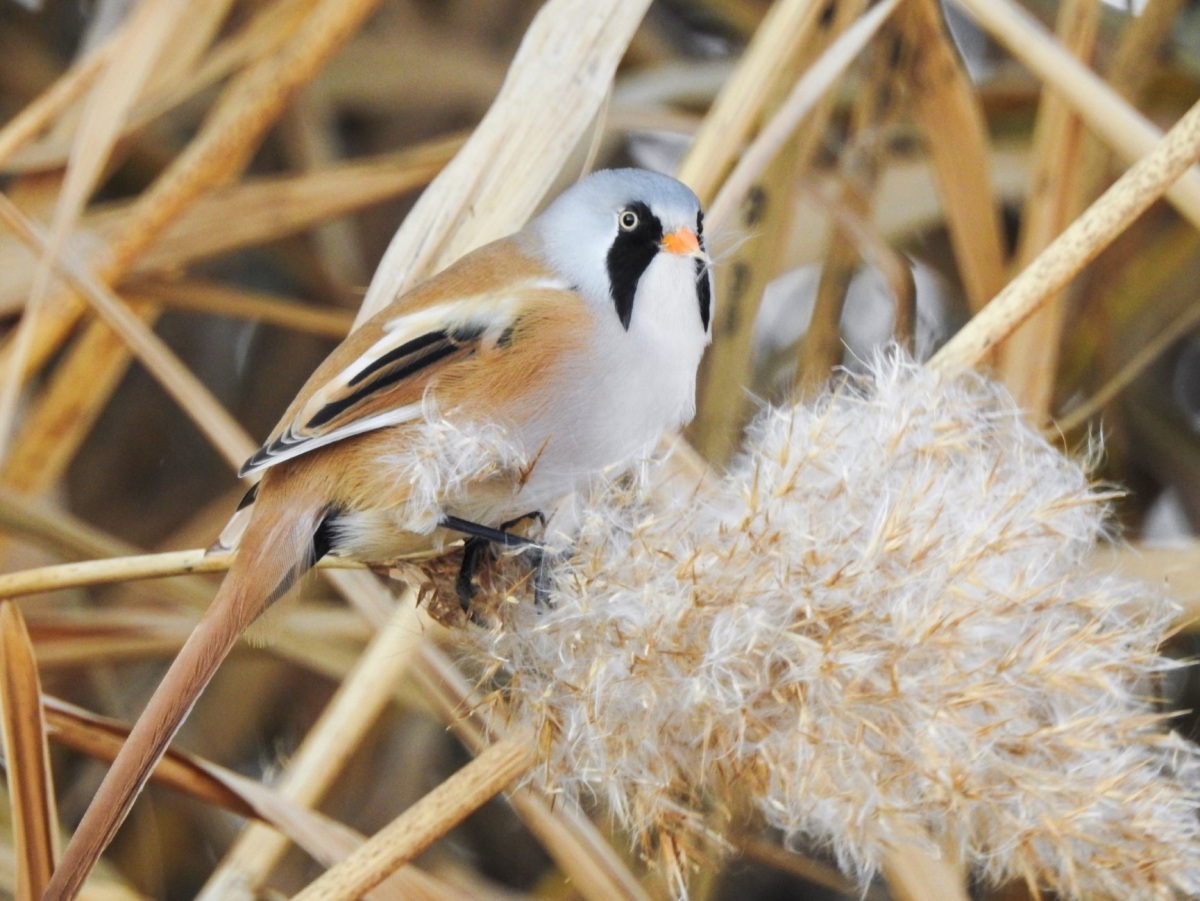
column 477, row 550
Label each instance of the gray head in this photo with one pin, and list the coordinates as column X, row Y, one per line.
column 605, row 231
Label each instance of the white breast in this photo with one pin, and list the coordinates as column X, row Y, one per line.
column 613, row 404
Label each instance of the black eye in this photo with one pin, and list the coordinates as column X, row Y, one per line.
column 628, row 220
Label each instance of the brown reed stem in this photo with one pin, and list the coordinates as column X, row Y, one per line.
column 26, row 758
column 129, row 569
column 1132, row 193
column 423, row 823
column 1106, row 112
column 210, row 416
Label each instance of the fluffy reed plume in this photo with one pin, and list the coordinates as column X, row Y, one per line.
column 879, row 627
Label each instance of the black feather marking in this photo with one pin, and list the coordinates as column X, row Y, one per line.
column 404, row 350
column 631, row 253
column 398, row 368
column 250, row 496
column 467, row 332
column 323, row 540
column 703, row 292
column 256, row 458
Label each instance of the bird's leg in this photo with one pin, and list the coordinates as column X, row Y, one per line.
column 495, row 536
column 476, row 547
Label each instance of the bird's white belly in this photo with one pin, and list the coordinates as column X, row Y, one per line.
column 613, row 407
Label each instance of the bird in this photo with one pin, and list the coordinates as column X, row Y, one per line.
column 564, row 349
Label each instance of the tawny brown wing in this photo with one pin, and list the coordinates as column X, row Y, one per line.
column 378, row 376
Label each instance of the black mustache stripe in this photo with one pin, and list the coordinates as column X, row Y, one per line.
column 631, row 253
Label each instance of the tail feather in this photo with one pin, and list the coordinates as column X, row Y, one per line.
column 275, row 551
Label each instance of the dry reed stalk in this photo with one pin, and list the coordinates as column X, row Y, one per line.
column 1106, row 113
column 308, row 130
column 114, row 571
column 726, row 370
column 193, row 397
column 75, row 395
column 185, row 46
column 740, row 280
column 67, row 536
column 1028, row 362
column 51, row 103
column 121, row 562
column 1175, row 570
column 423, row 823
column 323, row 838
column 254, row 211
column 215, row 299
column 26, row 758
column 220, row 150
column 571, row 840
column 337, row 626
column 820, row 350
column 101, row 738
column 743, row 100
column 804, row 94
column 259, row 210
column 1133, row 192
column 554, row 87
column 97, row 638
column 107, row 649
column 261, row 36
column 821, row 347
column 1142, row 38
column 956, row 136
column 54, row 529
column 1180, row 327
column 111, row 571
column 360, row 699
column 811, row 871
column 913, row 874
column 237, row 122
column 139, row 44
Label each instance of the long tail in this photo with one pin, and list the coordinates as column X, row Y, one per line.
column 276, row 549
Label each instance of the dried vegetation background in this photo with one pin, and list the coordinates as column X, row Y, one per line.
column 216, row 182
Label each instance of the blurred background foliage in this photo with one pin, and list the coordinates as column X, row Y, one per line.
column 932, row 172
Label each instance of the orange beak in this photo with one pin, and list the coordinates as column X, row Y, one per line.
column 683, row 242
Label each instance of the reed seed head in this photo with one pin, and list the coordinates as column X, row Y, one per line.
column 880, row 625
